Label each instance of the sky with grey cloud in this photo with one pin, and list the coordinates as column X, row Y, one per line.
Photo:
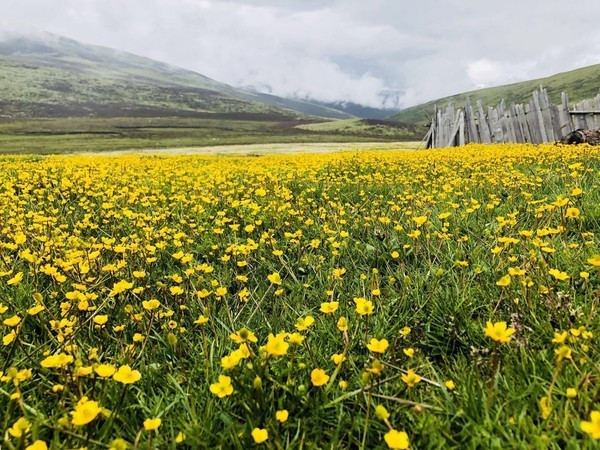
column 378, row 53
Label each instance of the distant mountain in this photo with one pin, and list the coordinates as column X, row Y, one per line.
column 45, row 75
column 579, row 84
column 363, row 112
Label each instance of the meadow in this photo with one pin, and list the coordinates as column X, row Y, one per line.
column 374, row 299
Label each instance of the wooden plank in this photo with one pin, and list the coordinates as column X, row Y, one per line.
column 484, row 128
column 470, row 122
column 554, row 117
column 533, row 121
column 537, row 109
column 495, row 127
column 545, row 108
column 523, row 122
column 452, row 136
column 566, row 124
column 514, row 123
column 461, row 129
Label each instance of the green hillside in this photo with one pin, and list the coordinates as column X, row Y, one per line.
column 49, row 76
column 579, row 84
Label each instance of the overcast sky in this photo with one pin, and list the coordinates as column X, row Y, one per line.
column 392, row 53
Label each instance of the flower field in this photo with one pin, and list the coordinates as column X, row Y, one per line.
column 422, row 299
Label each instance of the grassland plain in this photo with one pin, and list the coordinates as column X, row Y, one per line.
column 432, row 299
column 81, row 135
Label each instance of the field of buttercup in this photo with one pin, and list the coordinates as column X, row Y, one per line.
column 431, row 299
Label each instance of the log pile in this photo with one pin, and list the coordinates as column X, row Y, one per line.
column 582, row 136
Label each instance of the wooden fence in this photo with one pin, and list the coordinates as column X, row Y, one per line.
column 535, row 122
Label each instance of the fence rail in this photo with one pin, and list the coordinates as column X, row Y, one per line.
column 535, row 122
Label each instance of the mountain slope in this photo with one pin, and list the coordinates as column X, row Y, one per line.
column 579, row 84
column 46, row 75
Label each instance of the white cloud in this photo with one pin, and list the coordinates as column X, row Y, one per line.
column 336, row 50
column 485, row 72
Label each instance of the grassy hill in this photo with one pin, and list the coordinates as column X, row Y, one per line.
column 579, row 84
column 368, row 127
column 51, row 76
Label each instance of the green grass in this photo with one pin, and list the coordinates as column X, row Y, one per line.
column 324, row 212
column 579, row 84
column 91, row 135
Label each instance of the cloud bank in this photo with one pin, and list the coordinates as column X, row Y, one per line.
column 381, row 53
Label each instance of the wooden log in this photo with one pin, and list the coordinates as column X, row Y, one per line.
column 461, row 129
column 566, row 124
column 484, row 128
column 537, row 109
column 514, row 123
column 545, row 108
column 534, row 123
column 470, row 123
column 495, row 127
column 555, row 119
column 523, row 122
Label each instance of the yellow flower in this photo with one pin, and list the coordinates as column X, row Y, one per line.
column 450, row 385
column 562, row 276
column 58, row 360
column 120, row 287
column 396, row 439
column 152, row 424
column 329, row 307
column 105, row 370
column 378, row 346
column 303, row 323
column 12, row 321
column 100, row 320
column 363, row 306
column 276, row 345
column 420, row 220
column 571, row 392
column 150, row 305
column 296, row 338
column 282, row 415
column 37, row 445
column 230, row 361
column 16, row 279
column 504, row 281
column 411, row 378
column 338, row 273
column 126, row 376
column 594, row 261
column 338, row 358
column 223, row 387
column 381, row 412
column 9, row 338
column 243, row 335
column 319, row 377
column 201, row 320
column 34, row 311
column 274, row 278
column 563, row 352
column 560, row 338
column 405, row 331
column 19, row 428
column 498, row 331
column 342, row 324
column 410, row 352
column 176, row 290
column 592, row 427
column 260, row 435
column 545, row 407
column 85, row 411
column 572, row 213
